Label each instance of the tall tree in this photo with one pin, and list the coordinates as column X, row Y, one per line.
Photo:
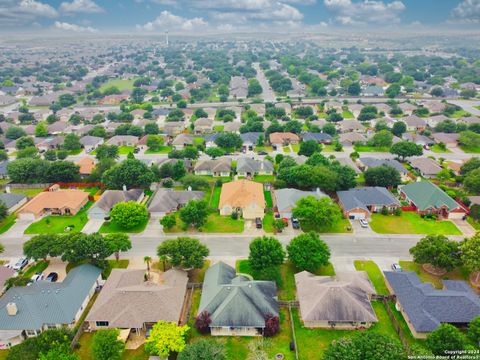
column 445, row 338
column 106, row 345
column 166, row 338
column 195, row 213
column 184, row 251
column 308, row 252
column 316, row 213
column 129, row 214
column 118, row 242
column 438, row 251
column 265, row 252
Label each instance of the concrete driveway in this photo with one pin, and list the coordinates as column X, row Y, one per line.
column 464, row 227
column 93, row 225
column 17, row 229
column 58, row 266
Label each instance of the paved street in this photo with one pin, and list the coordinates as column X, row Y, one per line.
column 267, row 95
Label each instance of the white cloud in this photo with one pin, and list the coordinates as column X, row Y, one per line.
column 14, row 13
column 73, row 27
column 168, row 21
column 467, row 11
column 81, row 6
column 38, row 8
column 350, row 12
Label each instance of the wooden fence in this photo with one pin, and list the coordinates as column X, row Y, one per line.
column 397, row 326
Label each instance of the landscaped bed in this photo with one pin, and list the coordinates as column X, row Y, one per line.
column 411, row 223
column 457, row 274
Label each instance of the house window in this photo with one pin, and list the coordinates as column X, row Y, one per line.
column 51, row 326
column 31, row 332
column 101, row 323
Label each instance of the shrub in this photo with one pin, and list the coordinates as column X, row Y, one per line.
column 272, row 325
column 202, row 322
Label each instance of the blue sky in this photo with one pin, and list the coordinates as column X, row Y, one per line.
column 193, row 16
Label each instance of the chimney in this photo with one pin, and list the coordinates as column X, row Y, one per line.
column 12, row 309
column 124, row 187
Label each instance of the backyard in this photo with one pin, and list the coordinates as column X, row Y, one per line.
column 84, row 351
column 57, row 224
column 30, row 192
column 411, row 223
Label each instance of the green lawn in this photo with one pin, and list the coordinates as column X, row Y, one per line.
column 91, row 190
column 57, row 224
column 84, row 351
column 268, row 222
column 347, row 114
column 3, row 354
column 366, row 148
column 7, row 223
column 459, row 113
column 470, row 149
column 457, row 274
column 222, row 224
column 436, row 149
column 411, row 223
column 268, row 198
column 218, row 128
column 29, row 192
column 119, row 83
column 406, row 330
column 475, row 224
column 286, row 149
column 215, row 200
column 113, row 227
column 477, row 107
column 341, row 226
column 162, row 150
column 264, row 178
column 267, row 149
column 40, row 266
column 198, row 140
column 328, row 148
column 125, row 150
column 296, row 147
column 374, row 273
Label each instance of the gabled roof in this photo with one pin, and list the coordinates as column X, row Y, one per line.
column 182, row 139
column 287, row 198
column 245, row 164
column 373, row 162
column 91, row 140
column 361, row 198
column 222, row 164
column 112, row 197
column 250, row 137
column 316, row 136
column 281, row 137
column 426, row 165
column 71, row 198
column 165, row 200
column 11, row 199
column 425, row 195
column 427, row 307
column 44, row 302
column 236, row 301
column 343, row 297
column 414, row 120
column 128, row 301
column 242, row 193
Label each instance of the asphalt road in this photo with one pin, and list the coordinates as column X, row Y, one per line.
column 268, row 95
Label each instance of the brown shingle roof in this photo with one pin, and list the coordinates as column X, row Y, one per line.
column 242, row 193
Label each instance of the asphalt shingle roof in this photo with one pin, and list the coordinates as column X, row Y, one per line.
column 426, row 195
column 11, row 200
column 366, row 196
column 373, row 162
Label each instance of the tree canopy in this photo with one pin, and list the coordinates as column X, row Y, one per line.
column 184, row 251
column 316, row 213
column 308, row 252
column 438, row 251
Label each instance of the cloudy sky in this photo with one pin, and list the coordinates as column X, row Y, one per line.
column 194, row 16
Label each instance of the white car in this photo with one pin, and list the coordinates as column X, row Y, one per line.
column 37, row 277
column 20, row 264
column 396, row 267
column 363, row 223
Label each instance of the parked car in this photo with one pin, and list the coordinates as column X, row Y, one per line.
column 258, row 223
column 37, row 277
column 363, row 223
column 295, row 223
column 136, row 150
column 52, row 277
column 20, row 264
column 262, row 153
column 277, row 215
column 396, row 267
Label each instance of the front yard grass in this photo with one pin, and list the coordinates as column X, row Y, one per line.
column 40, row 266
column 411, row 223
column 374, row 273
column 161, row 150
column 366, row 148
column 329, row 148
column 437, row 149
column 341, row 226
column 268, row 222
column 222, row 224
column 121, row 84
column 470, row 149
column 457, row 274
column 267, row 149
column 125, row 150
column 113, row 227
column 347, row 114
column 264, row 178
column 286, row 149
column 296, row 147
column 57, row 224
column 475, row 224
column 268, row 198
column 7, row 223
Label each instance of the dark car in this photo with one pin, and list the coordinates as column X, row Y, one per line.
column 52, row 277
column 136, row 150
column 295, row 223
column 258, row 223
column 262, row 153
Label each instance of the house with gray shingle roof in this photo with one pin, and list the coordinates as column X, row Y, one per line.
column 216, row 167
column 26, row 311
column 428, row 168
column 181, row 141
column 250, row 139
column 101, row 209
column 286, row 199
column 90, row 143
column 13, row 201
column 428, row 198
column 360, row 203
column 165, row 201
column 370, row 162
column 426, row 308
column 321, row 138
column 341, row 301
column 237, row 305
column 248, row 167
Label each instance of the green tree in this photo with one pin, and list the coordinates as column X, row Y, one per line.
column 308, row 252
column 470, row 250
column 265, row 252
column 131, row 172
column 184, row 251
column 50, row 155
column 41, row 130
column 24, row 142
column 43, row 245
column 254, row 88
column 214, row 152
column 62, row 171
column 59, row 352
column 62, row 154
column 393, row 91
column 474, row 330
column 27, row 153
column 154, row 142
column 48, row 340
column 354, row 89
column 195, row 213
column 316, row 213
column 203, row 350
column 72, row 142
column 118, row 242
column 166, row 338
column 106, row 345
column 129, row 214
column 91, row 248
column 169, row 221
column 445, row 338
column 469, row 139
column 14, row 132
column 472, row 181
column 383, row 138
column 151, row 128
column 405, row 149
column 438, row 251
column 384, row 176
column 105, row 151
column 309, row 147
column 471, row 164
column 229, row 141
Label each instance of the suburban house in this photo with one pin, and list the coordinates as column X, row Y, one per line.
column 90, row 143
column 244, row 197
column 426, row 308
column 210, row 140
column 123, row 140
column 3, row 169
column 341, row 301
column 173, row 128
column 283, row 138
column 101, row 209
column 434, row 106
column 237, row 305
column 373, row 90
column 238, row 87
column 127, row 301
column 417, row 139
column 258, row 108
column 435, row 120
column 54, row 202
column 203, row 125
column 370, row 162
column 414, row 123
column 449, row 139
column 13, row 201
column 248, row 167
column 165, row 201
column 407, row 108
column 428, row 168
column 26, row 311
column 215, row 167
column 250, row 139
column 284, row 200
column 321, row 138
column 469, row 120
column 86, row 164
column 181, row 141
column 347, row 126
column 233, row 126
column 350, row 139
column 360, row 203
column 428, row 198
column 57, row 127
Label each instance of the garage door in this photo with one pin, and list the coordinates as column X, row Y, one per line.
column 456, row 215
column 356, row 216
column 26, row 216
